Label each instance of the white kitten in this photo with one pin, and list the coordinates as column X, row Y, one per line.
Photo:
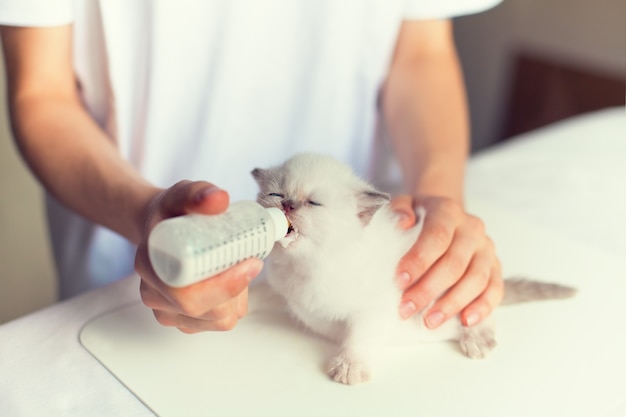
column 336, row 267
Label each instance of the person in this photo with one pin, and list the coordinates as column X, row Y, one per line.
column 116, row 106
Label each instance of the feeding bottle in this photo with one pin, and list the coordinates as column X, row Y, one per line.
column 187, row 249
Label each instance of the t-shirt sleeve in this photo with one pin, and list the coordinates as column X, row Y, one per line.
column 443, row 9
column 36, row 12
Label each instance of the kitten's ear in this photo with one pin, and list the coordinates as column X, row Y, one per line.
column 260, row 175
column 369, row 201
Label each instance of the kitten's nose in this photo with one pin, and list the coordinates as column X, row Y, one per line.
column 288, row 205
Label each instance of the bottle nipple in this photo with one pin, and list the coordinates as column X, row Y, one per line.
column 281, row 223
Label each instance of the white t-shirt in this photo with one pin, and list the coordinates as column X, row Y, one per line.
column 210, row 89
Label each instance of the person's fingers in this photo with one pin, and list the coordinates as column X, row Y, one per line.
column 242, row 303
column 193, row 196
column 483, row 305
column 155, row 300
column 472, row 284
column 190, row 317
column 195, row 299
column 403, row 206
column 188, row 324
column 446, row 271
column 183, row 198
column 434, row 240
column 218, row 299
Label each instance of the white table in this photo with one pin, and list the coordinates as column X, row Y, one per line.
column 567, row 178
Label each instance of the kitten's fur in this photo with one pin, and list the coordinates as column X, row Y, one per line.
column 336, row 270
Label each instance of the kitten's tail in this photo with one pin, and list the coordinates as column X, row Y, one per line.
column 520, row 290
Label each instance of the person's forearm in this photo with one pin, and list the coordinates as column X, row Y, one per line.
column 61, row 143
column 426, row 115
column 78, row 164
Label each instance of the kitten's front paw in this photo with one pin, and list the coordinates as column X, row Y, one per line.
column 348, row 371
column 477, row 341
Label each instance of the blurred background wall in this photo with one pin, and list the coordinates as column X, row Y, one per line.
column 573, row 59
column 27, row 278
column 524, row 61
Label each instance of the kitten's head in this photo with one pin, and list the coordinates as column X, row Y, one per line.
column 321, row 197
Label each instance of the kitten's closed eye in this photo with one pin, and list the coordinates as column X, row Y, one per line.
column 276, row 195
column 314, row 203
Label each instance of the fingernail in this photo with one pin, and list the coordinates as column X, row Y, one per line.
column 403, row 279
column 407, row 309
column 254, row 269
column 403, row 217
column 434, row 319
column 472, row 318
column 204, row 193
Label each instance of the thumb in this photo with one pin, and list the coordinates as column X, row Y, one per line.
column 194, row 197
column 402, row 205
column 206, row 198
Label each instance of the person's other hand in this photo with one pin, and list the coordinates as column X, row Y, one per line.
column 453, row 264
column 213, row 304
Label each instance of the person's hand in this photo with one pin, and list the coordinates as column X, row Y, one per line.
column 453, row 264
column 213, row 304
